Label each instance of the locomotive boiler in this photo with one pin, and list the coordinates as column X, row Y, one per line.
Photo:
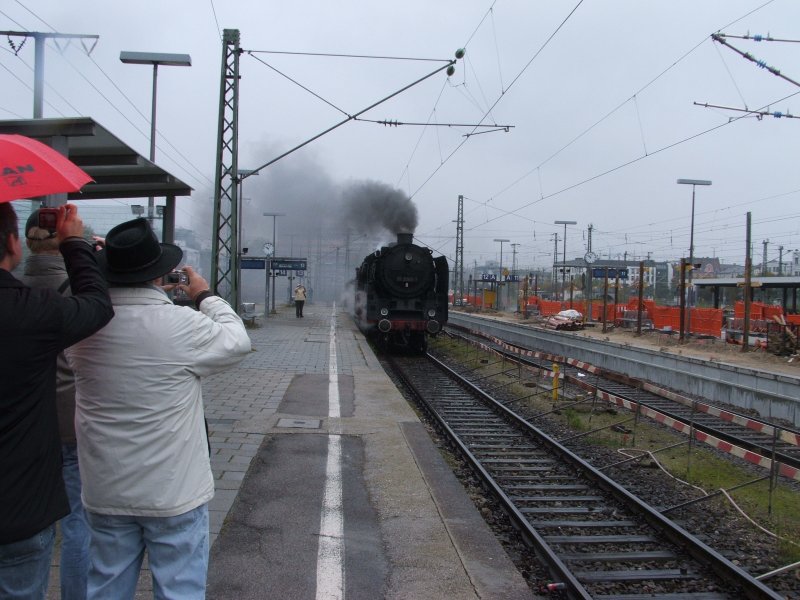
column 401, row 294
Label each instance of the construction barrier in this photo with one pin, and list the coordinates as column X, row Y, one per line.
column 758, row 311
column 659, row 417
column 702, row 321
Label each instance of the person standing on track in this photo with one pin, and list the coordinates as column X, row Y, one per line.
column 299, row 300
column 142, row 441
column 45, row 268
column 35, row 326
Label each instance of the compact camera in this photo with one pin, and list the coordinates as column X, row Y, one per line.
column 177, row 277
column 48, row 218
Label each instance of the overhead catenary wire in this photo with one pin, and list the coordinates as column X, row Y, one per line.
column 499, row 98
column 760, row 38
column 720, row 38
column 636, row 160
column 599, row 121
column 397, row 123
column 727, row 70
column 27, row 85
column 298, row 84
column 756, row 113
column 333, row 55
column 88, row 52
column 348, row 119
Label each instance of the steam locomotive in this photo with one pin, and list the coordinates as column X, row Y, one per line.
column 401, row 294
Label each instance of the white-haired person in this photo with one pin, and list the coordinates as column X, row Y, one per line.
column 45, row 268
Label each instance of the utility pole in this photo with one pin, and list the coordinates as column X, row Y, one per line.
column 39, row 39
column 555, row 261
column 747, row 279
column 459, row 267
column 514, row 258
column 514, row 269
column 683, row 301
column 764, row 258
column 564, row 258
column 640, row 306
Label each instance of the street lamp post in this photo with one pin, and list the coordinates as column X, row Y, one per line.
column 500, row 280
column 240, row 175
column 689, row 294
column 155, row 59
column 274, row 252
column 564, row 255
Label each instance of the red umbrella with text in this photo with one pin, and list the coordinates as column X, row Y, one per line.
column 29, row 168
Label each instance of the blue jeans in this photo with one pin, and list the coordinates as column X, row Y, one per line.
column 25, row 566
column 177, row 550
column 74, row 531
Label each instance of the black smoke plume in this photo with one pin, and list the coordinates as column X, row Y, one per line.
column 374, row 208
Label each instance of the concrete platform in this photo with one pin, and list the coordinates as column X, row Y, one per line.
column 328, row 486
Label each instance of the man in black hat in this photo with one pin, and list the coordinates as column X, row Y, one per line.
column 139, row 417
column 35, row 325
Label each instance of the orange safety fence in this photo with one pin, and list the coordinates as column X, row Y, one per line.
column 758, row 310
column 478, row 299
column 704, row 321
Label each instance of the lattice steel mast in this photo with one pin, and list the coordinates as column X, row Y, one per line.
column 458, row 272
column 224, row 252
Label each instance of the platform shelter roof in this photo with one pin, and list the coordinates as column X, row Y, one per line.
column 755, row 281
column 117, row 169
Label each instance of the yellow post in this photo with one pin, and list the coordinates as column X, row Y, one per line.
column 555, row 382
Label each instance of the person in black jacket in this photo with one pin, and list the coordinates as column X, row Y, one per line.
column 35, row 325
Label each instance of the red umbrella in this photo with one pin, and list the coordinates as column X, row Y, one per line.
column 29, row 168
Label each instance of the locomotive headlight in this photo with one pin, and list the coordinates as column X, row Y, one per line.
column 408, row 256
column 384, row 312
column 431, row 312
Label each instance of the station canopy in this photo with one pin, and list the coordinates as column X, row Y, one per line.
column 769, row 281
column 117, row 169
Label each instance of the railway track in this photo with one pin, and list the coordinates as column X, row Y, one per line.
column 755, row 440
column 596, row 539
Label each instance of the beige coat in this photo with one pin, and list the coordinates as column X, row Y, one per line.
column 139, row 406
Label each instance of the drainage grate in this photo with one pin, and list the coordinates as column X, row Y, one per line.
column 300, row 423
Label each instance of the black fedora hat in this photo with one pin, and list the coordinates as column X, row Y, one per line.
column 133, row 254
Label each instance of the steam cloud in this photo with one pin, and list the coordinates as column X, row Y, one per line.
column 333, row 224
column 373, row 207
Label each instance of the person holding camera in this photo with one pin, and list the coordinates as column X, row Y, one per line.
column 36, row 325
column 45, row 268
column 142, row 442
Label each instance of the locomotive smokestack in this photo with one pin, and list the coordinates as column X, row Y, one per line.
column 405, row 238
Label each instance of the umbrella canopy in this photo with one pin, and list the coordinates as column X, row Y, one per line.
column 29, row 168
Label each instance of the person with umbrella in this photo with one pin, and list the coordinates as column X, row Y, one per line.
column 35, row 325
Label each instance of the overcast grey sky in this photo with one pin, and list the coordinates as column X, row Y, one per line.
column 599, row 96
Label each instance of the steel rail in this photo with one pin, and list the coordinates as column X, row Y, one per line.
column 762, row 444
column 699, row 551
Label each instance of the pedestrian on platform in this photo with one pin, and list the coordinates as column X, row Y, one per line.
column 299, row 300
column 35, row 326
column 45, row 268
column 142, row 442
